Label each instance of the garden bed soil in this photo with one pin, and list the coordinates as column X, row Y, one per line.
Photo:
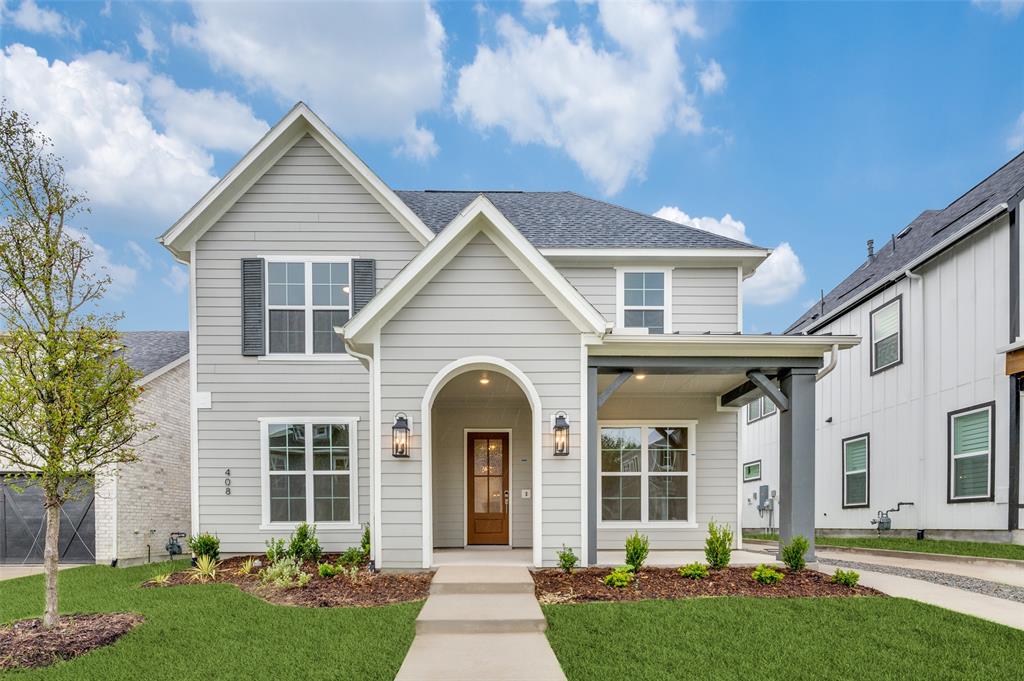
column 25, row 644
column 585, row 585
column 367, row 590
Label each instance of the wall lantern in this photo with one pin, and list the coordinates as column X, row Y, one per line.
column 400, row 436
column 561, row 433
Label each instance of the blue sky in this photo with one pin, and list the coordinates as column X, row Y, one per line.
column 805, row 127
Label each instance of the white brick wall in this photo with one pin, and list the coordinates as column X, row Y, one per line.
column 152, row 494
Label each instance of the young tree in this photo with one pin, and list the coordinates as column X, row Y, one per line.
column 66, row 392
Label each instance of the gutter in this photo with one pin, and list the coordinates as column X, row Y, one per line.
column 833, row 360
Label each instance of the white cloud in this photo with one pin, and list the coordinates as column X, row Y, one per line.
column 604, row 106
column 148, row 42
column 35, row 19
column 777, row 279
column 140, row 255
column 176, row 279
column 1007, row 8
column 540, row 10
column 1015, row 142
column 214, row 120
column 122, row 277
column 370, row 69
column 95, row 110
column 712, row 78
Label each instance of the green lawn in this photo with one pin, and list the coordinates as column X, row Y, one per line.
column 801, row 638
column 215, row 631
column 942, row 546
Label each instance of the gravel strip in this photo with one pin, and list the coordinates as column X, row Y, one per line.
column 981, row 586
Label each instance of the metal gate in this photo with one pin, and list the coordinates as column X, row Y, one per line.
column 23, row 527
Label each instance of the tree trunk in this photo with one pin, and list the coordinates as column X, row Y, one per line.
column 51, row 557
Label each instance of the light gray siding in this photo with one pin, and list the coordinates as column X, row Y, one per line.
column 479, row 304
column 715, row 469
column 306, row 204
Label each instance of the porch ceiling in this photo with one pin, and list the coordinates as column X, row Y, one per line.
column 663, row 384
column 468, row 388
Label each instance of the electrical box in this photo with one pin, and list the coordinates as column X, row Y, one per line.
column 526, row 494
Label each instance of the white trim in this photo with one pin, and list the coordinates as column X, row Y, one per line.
column 321, row 357
column 898, row 333
column 739, row 301
column 465, row 480
column 275, row 143
column 584, row 453
column 721, row 345
column 480, row 216
column 643, row 252
column 620, row 297
column 193, row 377
column 691, row 474
column 162, row 370
column 440, row 379
column 308, row 308
column 743, row 471
column 353, row 473
column 376, row 451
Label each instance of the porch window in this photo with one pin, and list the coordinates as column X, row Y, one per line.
column 309, row 471
column 856, row 460
column 644, row 298
column 646, row 473
column 760, row 408
column 306, row 299
column 971, row 433
column 886, row 336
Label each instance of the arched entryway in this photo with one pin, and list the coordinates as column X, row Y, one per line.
column 481, row 439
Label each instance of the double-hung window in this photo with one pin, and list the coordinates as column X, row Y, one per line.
column 760, row 408
column 309, row 471
column 306, row 299
column 886, row 336
column 644, row 298
column 971, row 434
column 647, row 473
column 856, row 461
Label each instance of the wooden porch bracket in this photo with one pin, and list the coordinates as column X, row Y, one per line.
column 770, row 390
column 616, row 384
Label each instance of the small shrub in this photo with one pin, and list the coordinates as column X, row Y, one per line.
column 351, row 557
column 351, row 572
column 637, row 548
column 205, row 569
column 303, row 579
column 276, row 550
column 304, row 544
column 284, row 573
column 718, row 547
column 846, row 578
column 793, row 553
column 694, row 571
column 160, row 580
column 364, row 542
column 620, row 577
column 765, row 574
column 567, row 560
column 204, row 544
column 247, row 566
column 328, row 569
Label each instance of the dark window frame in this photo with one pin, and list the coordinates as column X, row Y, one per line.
column 950, row 416
column 898, row 300
column 867, row 470
column 760, row 470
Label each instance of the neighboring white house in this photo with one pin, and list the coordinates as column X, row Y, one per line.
column 134, row 508
column 926, row 410
column 451, row 368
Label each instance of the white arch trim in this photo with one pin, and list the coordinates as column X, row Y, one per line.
column 461, row 366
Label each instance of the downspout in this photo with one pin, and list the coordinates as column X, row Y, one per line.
column 374, row 452
column 113, row 523
column 833, row 360
column 1014, row 404
column 918, row 417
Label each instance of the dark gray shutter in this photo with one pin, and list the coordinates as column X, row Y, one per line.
column 364, row 283
column 253, row 307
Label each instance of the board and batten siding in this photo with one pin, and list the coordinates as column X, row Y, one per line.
column 950, row 361
column 715, row 464
column 703, row 298
column 480, row 303
column 306, row 204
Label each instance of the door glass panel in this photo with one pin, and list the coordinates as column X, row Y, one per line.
column 494, row 450
column 480, row 457
column 479, row 494
column 495, row 495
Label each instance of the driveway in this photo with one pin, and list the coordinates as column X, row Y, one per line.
column 14, row 571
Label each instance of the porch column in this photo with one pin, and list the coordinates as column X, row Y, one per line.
column 592, row 467
column 796, row 458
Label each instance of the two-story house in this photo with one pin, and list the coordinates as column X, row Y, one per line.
column 456, row 369
column 927, row 410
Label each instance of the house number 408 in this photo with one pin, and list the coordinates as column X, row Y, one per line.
column 227, row 481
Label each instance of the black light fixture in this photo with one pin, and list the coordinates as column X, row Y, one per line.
column 561, row 433
column 400, row 436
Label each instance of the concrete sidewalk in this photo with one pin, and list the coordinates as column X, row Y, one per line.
column 15, row 571
column 481, row 622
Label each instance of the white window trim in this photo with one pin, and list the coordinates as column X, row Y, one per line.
column 353, row 439
column 691, row 474
column 866, row 471
column 743, row 468
column 898, row 302
column 987, row 454
column 620, row 296
column 308, row 307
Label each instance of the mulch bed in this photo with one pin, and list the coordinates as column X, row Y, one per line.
column 26, row 644
column 368, row 590
column 585, row 585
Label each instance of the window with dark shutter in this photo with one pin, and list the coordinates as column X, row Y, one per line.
column 364, row 283
column 253, row 316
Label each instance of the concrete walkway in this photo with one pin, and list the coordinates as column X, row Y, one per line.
column 481, row 622
column 15, row 571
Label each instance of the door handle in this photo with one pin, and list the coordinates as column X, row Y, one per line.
column 506, row 497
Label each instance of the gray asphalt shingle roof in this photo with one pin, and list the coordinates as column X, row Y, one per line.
column 928, row 229
column 147, row 351
column 567, row 220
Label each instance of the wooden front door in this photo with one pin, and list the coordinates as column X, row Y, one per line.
column 487, row 488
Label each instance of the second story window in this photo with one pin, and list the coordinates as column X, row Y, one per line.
column 306, row 300
column 644, row 300
column 886, row 336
